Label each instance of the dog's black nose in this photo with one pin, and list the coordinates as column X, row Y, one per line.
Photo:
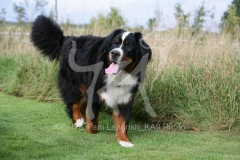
column 115, row 54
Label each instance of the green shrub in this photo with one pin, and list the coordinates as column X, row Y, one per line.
column 206, row 98
column 29, row 76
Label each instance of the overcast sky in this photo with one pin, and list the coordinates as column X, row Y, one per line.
column 136, row 12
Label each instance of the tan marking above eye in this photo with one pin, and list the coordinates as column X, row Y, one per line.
column 117, row 41
column 127, row 42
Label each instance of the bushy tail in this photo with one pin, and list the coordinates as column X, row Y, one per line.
column 47, row 37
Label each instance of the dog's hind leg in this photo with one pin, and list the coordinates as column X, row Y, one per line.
column 74, row 97
column 92, row 124
column 79, row 109
column 79, row 112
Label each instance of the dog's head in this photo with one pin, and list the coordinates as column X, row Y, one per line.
column 125, row 50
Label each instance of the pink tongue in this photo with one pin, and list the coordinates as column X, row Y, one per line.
column 113, row 68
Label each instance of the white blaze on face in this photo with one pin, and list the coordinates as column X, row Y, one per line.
column 113, row 68
column 125, row 34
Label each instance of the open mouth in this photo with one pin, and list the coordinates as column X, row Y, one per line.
column 113, row 68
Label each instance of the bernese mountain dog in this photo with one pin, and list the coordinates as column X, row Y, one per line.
column 95, row 70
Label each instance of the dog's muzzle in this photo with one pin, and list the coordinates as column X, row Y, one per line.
column 116, row 55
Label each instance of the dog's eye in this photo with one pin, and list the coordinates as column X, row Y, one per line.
column 116, row 42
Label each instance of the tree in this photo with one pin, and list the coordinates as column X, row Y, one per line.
column 21, row 12
column 51, row 14
column 231, row 18
column 56, row 12
column 112, row 20
column 181, row 17
column 152, row 23
column 199, row 19
column 38, row 7
column 2, row 16
column 26, row 11
column 100, row 21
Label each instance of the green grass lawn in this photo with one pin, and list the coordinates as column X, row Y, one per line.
column 37, row 130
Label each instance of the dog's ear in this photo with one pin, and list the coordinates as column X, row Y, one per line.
column 143, row 47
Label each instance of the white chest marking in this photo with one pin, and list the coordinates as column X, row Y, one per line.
column 118, row 88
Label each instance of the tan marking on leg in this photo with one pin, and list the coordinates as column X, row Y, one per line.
column 79, row 108
column 83, row 101
column 92, row 126
column 83, row 106
column 120, row 128
column 82, row 88
column 76, row 112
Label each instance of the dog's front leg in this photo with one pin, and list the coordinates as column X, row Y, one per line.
column 121, row 117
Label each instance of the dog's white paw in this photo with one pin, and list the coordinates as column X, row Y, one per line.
column 125, row 144
column 79, row 123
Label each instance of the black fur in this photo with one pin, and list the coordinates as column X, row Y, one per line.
column 48, row 37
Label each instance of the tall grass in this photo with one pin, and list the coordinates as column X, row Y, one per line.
column 29, row 76
column 190, row 80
